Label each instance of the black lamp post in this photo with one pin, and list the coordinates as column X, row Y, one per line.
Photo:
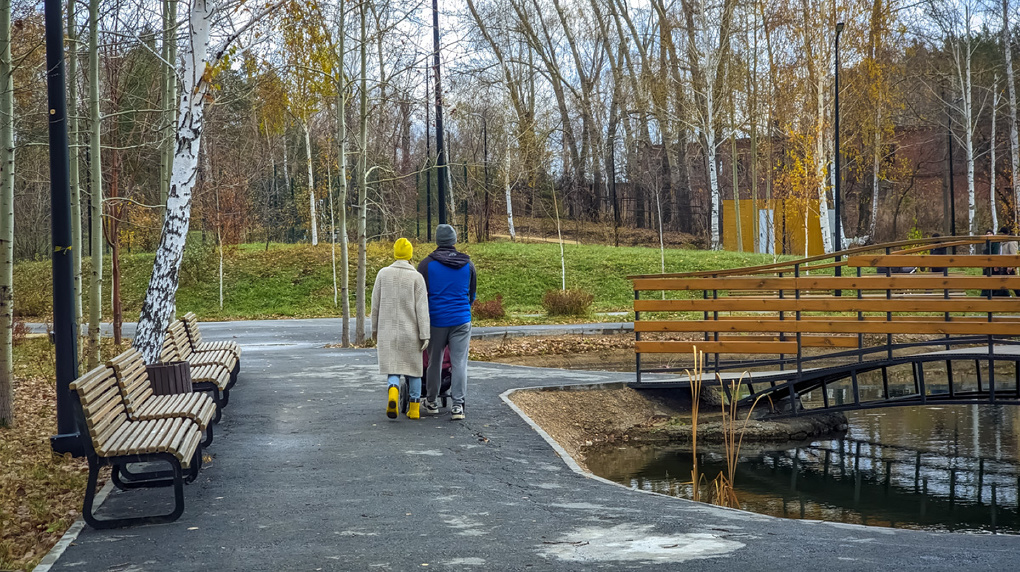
column 65, row 328
column 836, row 232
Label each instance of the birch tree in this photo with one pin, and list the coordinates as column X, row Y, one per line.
column 359, row 326
column 708, row 43
column 96, row 188
column 198, row 70
column 6, row 218
column 73, row 138
column 1014, row 140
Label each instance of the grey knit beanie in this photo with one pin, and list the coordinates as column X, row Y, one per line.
column 446, row 235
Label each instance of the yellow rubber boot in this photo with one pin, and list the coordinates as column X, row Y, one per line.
column 391, row 403
column 412, row 410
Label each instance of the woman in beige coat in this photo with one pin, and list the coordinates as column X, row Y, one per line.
column 400, row 324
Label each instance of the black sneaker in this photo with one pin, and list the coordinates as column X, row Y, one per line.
column 457, row 413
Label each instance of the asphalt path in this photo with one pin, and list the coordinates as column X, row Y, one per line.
column 307, row 473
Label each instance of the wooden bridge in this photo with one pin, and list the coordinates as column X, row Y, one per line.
column 809, row 324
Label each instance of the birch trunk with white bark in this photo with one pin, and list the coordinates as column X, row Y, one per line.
column 991, row 155
column 73, row 175
column 160, row 297
column 345, row 288
column 314, row 221
column 96, row 186
column 6, row 218
column 1014, row 138
column 359, row 325
column 506, row 192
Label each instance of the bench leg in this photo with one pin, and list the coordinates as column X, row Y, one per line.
column 104, row 523
column 214, row 392
column 208, row 436
column 226, row 397
column 233, row 374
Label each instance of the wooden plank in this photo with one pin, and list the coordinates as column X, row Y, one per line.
column 935, row 260
column 187, row 448
column 803, row 283
column 832, row 304
column 676, row 347
column 848, row 326
column 805, row 341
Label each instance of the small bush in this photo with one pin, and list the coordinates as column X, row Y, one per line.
column 490, row 310
column 19, row 331
column 567, row 302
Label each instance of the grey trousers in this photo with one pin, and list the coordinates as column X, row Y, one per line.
column 458, row 338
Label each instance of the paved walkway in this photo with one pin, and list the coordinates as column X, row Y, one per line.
column 309, row 474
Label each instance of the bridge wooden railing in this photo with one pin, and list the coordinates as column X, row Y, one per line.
column 770, row 314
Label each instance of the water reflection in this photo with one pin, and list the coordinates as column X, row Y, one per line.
column 936, row 468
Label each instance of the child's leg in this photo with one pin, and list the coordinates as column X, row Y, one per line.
column 392, row 395
column 414, row 388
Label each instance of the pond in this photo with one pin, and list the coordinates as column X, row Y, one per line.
column 950, row 468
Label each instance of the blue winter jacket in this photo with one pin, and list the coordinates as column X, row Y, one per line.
column 450, row 280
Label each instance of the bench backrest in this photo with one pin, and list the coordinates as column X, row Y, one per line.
column 191, row 327
column 101, row 403
column 180, row 337
column 132, row 379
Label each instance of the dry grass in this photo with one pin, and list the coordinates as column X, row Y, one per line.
column 40, row 494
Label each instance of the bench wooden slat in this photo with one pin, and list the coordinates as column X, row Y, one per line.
column 935, row 260
column 831, row 304
column 678, row 347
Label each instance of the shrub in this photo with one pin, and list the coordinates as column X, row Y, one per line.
column 490, row 310
column 19, row 331
column 567, row 302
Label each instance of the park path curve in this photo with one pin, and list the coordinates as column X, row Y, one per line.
column 308, row 474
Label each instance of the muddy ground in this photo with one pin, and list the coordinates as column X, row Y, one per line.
column 581, row 420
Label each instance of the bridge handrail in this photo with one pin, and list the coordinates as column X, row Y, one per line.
column 839, row 258
column 777, row 310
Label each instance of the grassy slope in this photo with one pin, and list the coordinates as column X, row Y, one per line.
column 296, row 280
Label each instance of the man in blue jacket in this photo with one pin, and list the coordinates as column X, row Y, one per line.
column 450, row 281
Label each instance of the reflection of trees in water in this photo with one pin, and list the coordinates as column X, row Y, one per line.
column 846, row 480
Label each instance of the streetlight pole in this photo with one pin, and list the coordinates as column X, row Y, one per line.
column 65, row 328
column 837, row 231
column 440, row 145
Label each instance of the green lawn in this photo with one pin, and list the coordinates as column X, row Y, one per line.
column 297, row 280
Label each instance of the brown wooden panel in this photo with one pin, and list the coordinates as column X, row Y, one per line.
column 850, row 326
column 669, row 347
column 938, row 261
column 895, row 282
column 807, row 341
column 832, row 304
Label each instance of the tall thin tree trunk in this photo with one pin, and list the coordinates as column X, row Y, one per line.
column 161, row 295
column 359, row 327
column 96, row 188
column 72, row 129
column 166, row 159
column 311, row 186
column 6, row 218
column 332, row 230
column 345, row 297
column 991, row 155
column 1014, row 139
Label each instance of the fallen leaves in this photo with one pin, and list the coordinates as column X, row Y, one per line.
column 41, row 493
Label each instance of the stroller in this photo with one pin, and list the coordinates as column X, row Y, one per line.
column 445, row 378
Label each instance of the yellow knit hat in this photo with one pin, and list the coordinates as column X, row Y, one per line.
column 402, row 249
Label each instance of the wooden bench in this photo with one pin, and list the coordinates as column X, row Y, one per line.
column 190, row 321
column 186, row 346
column 111, row 438
column 211, row 377
column 144, row 405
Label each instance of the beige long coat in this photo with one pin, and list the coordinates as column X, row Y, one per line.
column 400, row 318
